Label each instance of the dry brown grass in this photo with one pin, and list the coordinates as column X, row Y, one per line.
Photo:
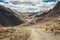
column 13, row 33
column 22, row 33
column 49, row 24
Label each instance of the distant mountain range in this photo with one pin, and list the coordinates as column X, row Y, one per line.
column 10, row 17
column 45, row 16
column 50, row 15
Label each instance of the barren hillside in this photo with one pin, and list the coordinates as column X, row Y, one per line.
column 46, row 25
column 10, row 17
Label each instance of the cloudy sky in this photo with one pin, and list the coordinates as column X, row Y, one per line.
column 29, row 5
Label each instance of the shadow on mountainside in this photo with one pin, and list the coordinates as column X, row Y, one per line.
column 8, row 17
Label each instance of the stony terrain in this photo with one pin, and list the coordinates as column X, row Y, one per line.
column 27, row 33
column 41, row 26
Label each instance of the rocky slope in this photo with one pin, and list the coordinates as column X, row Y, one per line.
column 42, row 31
column 46, row 16
column 10, row 18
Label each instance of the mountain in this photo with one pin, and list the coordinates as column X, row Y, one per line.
column 51, row 14
column 55, row 12
column 45, row 16
column 13, row 18
column 21, row 15
column 10, row 17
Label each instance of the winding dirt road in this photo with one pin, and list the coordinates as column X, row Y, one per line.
column 37, row 34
